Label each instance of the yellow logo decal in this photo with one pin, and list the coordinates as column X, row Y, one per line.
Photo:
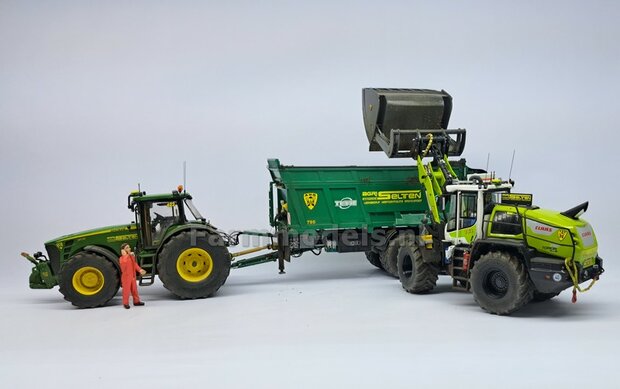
column 562, row 234
column 391, row 197
column 119, row 238
column 310, row 199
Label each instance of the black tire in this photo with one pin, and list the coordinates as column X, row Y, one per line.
column 416, row 276
column 539, row 297
column 89, row 280
column 195, row 270
column 500, row 284
column 388, row 257
column 374, row 259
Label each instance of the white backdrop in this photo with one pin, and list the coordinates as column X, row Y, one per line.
column 96, row 97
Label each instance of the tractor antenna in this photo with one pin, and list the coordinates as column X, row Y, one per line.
column 488, row 158
column 511, row 164
column 184, row 176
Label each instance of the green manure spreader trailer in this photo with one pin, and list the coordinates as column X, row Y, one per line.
column 437, row 217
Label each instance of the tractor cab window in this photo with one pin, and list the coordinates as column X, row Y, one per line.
column 466, row 207
column 163, row 215
column 193, row 210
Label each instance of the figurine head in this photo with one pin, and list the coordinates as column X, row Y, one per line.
column 125, row 249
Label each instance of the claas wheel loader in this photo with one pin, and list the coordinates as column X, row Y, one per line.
column 491, row 241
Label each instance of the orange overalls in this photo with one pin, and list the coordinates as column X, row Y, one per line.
column 129, row 268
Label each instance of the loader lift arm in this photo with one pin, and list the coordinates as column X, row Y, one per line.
column 412, row 123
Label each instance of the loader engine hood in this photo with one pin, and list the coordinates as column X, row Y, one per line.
column 555, row 234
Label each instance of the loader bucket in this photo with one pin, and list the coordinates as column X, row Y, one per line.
column 400, row 122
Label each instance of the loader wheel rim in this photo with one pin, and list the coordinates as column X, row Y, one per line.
column 194, row 265
column 496, row 284
column 407, row 267
column 88, row 280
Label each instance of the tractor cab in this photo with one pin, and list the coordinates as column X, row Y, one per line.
column 156, row 214
column 159, row 216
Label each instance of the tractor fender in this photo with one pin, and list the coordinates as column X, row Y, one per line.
column 108, row 254
column 189, row 227
column 514, row 246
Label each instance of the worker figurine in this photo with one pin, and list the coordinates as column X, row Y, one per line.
column 129, row 268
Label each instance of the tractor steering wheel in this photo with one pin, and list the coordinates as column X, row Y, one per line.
column 157, row 220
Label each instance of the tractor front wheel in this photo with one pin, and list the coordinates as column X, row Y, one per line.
column 500, row 284
column 194, row 264
column 88, row 280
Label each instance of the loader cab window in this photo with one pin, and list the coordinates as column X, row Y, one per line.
column 465, row 205
column 490, row 199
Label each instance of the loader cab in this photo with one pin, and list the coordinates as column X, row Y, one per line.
column 470, row 209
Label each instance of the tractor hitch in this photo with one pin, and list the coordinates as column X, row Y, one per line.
column 41, row 276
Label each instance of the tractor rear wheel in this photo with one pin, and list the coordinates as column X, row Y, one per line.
column 500, row 284
column 374, row 259
column 194, row 264
column 416, row 276
column 88, row 280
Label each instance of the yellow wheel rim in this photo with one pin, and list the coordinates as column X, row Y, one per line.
column 194, row 264
column 88, row 280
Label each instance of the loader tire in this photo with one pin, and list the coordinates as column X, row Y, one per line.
column 88, row 280
column 539, row 297
column 374, row 259
column 193, row 264
column 416, row 276
column 388, row 258
column 500, row 284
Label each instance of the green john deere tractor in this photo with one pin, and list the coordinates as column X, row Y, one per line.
column 171, row 240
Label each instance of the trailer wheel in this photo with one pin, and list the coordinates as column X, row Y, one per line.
column 88, row 280
column 374, row 259
column 193, row 264
column 500, row 284
column 539, row 297
column 388, row 258
column 416, row 276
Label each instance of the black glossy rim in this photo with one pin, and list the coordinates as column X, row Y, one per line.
column 496, row 283
column 407, row 267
